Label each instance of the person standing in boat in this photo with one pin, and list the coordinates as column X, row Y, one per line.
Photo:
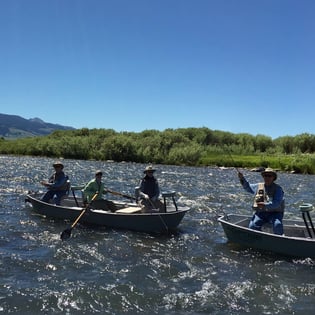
column 96, row 186
column 58, row 185
column 149, row 191
column 268, row 201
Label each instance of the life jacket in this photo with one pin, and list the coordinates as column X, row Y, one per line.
column 265, row 194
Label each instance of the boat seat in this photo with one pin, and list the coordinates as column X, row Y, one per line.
column 68, row 188
column 169, row 194
column 77, row 187
column 129, row 210
column 295, row 231
column 305, row 209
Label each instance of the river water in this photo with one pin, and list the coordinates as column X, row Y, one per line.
column 106, row 271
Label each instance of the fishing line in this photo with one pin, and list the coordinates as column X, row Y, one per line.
column 231, row 157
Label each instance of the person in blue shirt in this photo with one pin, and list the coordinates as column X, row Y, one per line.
column 268, row 202
column 58, row 185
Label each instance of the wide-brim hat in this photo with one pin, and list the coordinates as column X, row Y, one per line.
column 98, row 172
column 149, row 168
column 269, row 170
column 58, row 163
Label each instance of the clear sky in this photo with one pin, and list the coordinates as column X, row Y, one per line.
column 242, row 66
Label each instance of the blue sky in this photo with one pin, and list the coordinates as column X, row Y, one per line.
column 243, row 66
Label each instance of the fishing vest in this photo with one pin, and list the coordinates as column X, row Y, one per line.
column 266, row 195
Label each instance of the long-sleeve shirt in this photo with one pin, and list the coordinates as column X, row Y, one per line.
column 91, row 188
column 150, row 187
column 58, row 181
column 274, row 192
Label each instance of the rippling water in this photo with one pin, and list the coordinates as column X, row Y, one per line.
column 120, row 272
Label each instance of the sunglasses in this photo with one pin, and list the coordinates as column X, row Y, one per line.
column 268, row 175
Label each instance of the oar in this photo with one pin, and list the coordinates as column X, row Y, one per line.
column 120, row 194
column 67, row 232
column 152, row 204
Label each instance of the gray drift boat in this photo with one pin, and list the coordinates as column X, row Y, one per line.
column 298, row 239
column 127, row 215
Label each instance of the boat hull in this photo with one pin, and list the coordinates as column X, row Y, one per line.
column 154, row 222
column 294, row 243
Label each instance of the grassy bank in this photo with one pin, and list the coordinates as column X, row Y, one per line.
column 183, row 146
column 295, row 163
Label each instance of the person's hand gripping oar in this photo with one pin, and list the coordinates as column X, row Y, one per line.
column 67, row 232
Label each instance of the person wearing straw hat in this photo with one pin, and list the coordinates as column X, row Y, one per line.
column 96, row 185
column 268, row 201
column 149, row 191
column 58, row 185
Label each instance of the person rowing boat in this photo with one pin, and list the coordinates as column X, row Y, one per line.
column 94, row 186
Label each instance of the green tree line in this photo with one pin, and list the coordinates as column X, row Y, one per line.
column 182, row 146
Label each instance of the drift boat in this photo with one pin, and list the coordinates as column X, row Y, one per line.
column 298, row 239
column 126, row 216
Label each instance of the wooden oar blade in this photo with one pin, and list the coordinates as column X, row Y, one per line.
column 66, row 234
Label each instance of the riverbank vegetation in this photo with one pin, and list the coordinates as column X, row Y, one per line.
column 183, row 146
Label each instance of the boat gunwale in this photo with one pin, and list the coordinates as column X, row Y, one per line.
column 33, row 198
column 180, row 209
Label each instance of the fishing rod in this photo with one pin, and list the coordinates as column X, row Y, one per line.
column 233, row 161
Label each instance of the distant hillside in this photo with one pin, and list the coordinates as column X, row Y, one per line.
column 12, row 127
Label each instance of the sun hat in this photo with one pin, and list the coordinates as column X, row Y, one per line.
column 98, row 172
column 269, row 170
column 58, row 163
column 149, row 168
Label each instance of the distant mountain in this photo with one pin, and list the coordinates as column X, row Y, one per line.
column 12, row 127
